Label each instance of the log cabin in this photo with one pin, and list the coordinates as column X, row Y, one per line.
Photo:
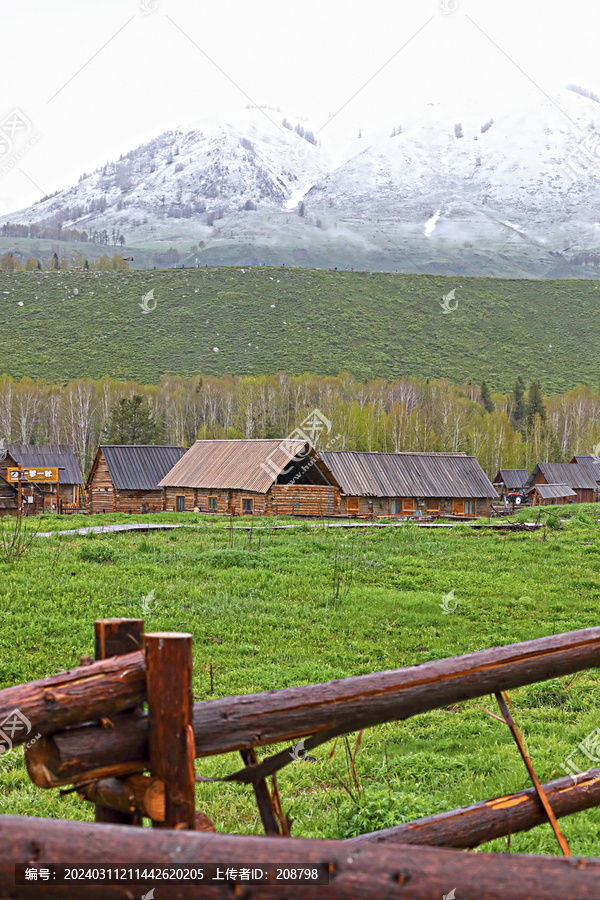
column 125, row 477
column 252, row 477
column 8, row 497
column 39, row 498
column 508, row 480
column 410, row 485
column 592, row 464
column 578, row 477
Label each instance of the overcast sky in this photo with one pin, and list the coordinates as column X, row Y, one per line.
column 94, row 78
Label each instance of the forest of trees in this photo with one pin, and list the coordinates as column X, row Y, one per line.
column 510, row 430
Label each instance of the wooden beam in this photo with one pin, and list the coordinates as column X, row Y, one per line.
column 96, row 691
column 117, row 637
column 118, row 746
column 263, row 797
column 325, row 710
column 170, row 736
column 359, row 872
column 470, row 826
column 141, row 795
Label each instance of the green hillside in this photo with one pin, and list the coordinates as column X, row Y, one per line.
column 263, row 320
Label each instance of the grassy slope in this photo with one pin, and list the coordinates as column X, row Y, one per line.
column 274, row 609
column 374, row 325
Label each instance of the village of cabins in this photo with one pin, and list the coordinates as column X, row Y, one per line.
column 282, row 477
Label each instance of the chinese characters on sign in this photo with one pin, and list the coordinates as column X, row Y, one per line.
column 48, row 475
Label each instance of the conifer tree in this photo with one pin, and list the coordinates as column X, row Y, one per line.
column 131, row 422
column 535, row 403
column 486, row 397
column 520, row 409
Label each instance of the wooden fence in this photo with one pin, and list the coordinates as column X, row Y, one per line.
column 135, row 764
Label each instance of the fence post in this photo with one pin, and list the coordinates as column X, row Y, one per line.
column 116, row 637
column 170, row 731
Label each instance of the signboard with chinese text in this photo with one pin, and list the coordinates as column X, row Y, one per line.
column 47, row 475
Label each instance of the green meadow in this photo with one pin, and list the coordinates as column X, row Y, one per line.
column 259, row 320
column 274, row 608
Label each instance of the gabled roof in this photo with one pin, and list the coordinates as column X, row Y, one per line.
column 592, row 463
column 138, row 467
column 247, row 465
column 361, row 474
column 573, row 474
column 40, row 456
column 511, row 478
column 553, row 491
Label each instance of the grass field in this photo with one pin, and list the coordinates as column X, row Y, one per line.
column 268, row 612
column 263, row 320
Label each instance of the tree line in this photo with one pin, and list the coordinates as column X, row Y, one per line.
column 512, row 430
column 11, row 263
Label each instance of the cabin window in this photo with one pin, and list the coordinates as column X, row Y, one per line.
column 469, row 507
column 397, row 507
column 180, row 503
column 352, row 506
column 247, row 506
column 212, row 504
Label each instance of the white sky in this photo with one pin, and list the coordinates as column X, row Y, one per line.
column 98, row 77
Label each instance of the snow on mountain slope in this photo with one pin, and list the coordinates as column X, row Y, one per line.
column 451, row 190
column 202, row 173
column 451, row 177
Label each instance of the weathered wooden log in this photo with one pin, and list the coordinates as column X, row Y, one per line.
column 360, row 872
column 470, row 826
column 325, row 710
column 86, row 693
column 169, row 669
column 143, row 795
column 119, row 746
column 117, row 637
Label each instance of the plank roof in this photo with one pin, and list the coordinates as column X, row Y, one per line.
column 513, row 479
column 592, row 463
column 577, row 476
column 247, row 465
column 42, row 456
column 139, row 467
column 553, row 491
column 363, row 474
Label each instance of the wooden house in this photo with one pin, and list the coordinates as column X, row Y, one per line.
column 592, row 463
column 41, row 497
column 551, row 494
column 252, row 477
column 508, row 480
column 576, row 476
column 410, row 485
column 125, row 477
column 8, row 496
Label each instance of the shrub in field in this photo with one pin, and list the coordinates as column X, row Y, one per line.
column 376, row 809
column 16, row 537
column 97, row 552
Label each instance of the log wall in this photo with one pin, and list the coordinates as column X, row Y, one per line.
column 305, row 499
column 101, row 491
column 432, row 506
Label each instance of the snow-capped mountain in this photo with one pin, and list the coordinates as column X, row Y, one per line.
column 197, row 175
column 507, row 194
